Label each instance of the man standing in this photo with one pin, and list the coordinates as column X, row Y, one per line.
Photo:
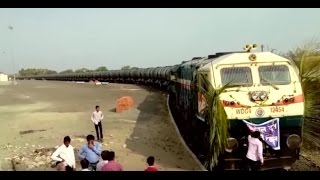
column 90, row 152
column 64, row 155
column 96, row 118
column 255, row 151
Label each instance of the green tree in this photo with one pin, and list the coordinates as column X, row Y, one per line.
column 102, row 68
column 82, row 70
column 307, row 58
column 66, row 71
column 125, row 67
column 22, row 72
column 216, row 116
column 50, row 72
column 36, row 71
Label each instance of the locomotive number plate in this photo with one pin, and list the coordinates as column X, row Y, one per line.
column 277, row 109
column 243, row 111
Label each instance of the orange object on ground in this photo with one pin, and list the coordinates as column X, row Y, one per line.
column 124, row 103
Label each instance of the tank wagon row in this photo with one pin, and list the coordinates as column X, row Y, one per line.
column 159, row 76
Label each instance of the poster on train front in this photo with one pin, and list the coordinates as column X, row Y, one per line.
column 202, row 104
column 270, row 132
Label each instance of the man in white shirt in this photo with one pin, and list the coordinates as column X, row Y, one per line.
column 255, row 151
column 104, row 156
column 96, row 118
column 64, row 155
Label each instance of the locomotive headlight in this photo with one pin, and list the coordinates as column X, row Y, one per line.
column 232, row 144
column 255, row 96
column 294, row 141
column 259, row 95
column 263, row 95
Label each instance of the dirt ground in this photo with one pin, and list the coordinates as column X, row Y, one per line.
column 38, row 114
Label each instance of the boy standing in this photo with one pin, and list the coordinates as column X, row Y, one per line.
column 151, row 166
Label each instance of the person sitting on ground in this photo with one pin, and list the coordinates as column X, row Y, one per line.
column 151, row 167
column 255, row 151
column 104, row 156
column 84, row 165
column 112, row 165
column 64, row 156
column 91, row 152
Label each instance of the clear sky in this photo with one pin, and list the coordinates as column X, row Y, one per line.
column 62, row 39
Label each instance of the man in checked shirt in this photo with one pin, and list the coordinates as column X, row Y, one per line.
column 112, row 165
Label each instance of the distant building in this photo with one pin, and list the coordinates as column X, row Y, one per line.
column 3, row 77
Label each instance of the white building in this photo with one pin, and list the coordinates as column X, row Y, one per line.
column 3, row 77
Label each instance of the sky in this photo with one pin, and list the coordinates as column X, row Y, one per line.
column 61, row 39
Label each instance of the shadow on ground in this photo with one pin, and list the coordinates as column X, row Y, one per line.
column 164, row 145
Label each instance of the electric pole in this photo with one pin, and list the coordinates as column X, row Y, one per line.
column 12, row 55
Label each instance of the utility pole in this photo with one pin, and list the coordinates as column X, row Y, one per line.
column 12, row 55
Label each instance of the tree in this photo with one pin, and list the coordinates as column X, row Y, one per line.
column 125, row 67
column 102, row 68
column 36, row 71
column 66, row 71
column 82, row 70
column 50, row 72
column 21, row 72
column 307, row 58
column 216, row 117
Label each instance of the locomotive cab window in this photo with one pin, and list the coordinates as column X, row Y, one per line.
column 276, row 74
column 236, row 76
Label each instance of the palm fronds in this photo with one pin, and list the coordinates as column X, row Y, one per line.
column 217, row 120
column 307, row 58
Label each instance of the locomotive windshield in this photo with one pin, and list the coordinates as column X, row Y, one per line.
column 236, row 76
column 276, row 74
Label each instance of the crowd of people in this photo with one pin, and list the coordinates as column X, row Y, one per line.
column 92, row 158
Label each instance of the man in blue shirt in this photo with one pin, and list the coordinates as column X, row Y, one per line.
column 91, row 152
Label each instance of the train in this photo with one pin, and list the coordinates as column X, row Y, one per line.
column 264, row 86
